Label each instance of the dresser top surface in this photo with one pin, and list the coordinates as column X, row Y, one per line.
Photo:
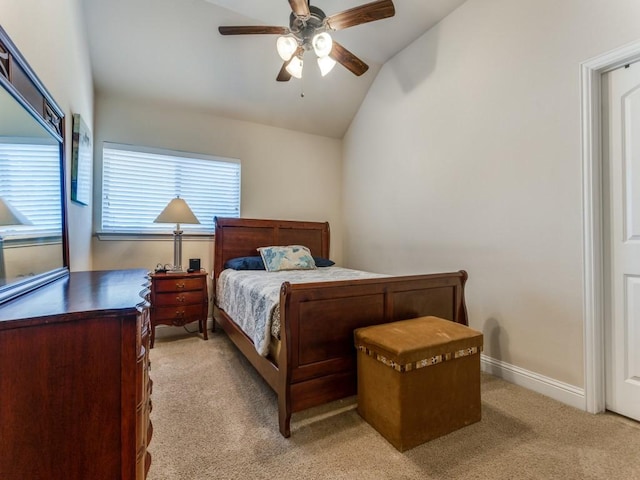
column 78, row 294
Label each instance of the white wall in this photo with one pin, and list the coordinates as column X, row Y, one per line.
column 285, row 174
column 28, row 260
column 51, row 37
column 466, row 155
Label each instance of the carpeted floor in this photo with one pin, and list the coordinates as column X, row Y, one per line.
column 215, row 418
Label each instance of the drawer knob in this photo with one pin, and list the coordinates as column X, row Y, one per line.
column 180, row 298
column 180, row 285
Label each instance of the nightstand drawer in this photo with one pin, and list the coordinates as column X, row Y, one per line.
column 181, row 284
column 178, row 315
column 180, row 298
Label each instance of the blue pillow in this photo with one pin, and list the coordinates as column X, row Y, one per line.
column 245, row 263
column 323, row 262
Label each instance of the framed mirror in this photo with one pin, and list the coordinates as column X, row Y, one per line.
column 33, row 229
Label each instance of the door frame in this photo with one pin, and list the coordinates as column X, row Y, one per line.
column 591, row 73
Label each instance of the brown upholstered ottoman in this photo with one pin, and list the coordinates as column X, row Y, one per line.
column 418, row 379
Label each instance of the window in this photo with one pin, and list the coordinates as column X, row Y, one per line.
column 138, row 182
column 29, row 165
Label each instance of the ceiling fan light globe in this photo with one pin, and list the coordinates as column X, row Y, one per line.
column 295, row 67
column 286, row 47
column 322, row 44
column 326, row 64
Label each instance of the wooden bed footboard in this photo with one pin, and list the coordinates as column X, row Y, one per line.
column 317, row 323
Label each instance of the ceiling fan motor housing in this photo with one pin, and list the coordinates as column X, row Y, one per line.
column 305, row 28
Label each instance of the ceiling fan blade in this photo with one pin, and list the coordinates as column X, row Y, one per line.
column 348, row 59
column 300, row 7
column 362, row 14
column 253, row 30
column 283, row 75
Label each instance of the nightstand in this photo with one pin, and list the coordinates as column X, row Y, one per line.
column 178, row 299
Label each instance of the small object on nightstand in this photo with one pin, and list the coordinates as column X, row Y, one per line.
column 160, row 268
column 178, row 299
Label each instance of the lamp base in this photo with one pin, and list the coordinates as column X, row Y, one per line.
column 177, row 250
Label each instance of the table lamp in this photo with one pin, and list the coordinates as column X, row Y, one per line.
column 177, row 211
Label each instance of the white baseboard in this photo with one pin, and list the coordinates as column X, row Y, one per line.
column 560, row 391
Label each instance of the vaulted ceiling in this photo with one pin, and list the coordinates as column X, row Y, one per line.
column 170, row 51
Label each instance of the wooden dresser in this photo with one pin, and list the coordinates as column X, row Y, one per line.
column 178, row 299
column 74, row 382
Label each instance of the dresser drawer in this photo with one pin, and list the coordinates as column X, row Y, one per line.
column 179, row 298
column 178, row 315
column 142, row 424
column 142, row 380
column 178, row 284
column 142, row 335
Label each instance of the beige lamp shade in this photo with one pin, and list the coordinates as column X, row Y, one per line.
column 10, row 216
column 177, row 211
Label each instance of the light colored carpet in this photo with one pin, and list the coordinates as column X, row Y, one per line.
column 215, row 418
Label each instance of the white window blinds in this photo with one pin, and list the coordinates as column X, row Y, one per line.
column 138, row 182
column 27, row 167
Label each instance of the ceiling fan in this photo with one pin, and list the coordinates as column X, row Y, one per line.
column 308, row 30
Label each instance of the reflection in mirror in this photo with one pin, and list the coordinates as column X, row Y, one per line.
column 30, row 210
column 33, row 247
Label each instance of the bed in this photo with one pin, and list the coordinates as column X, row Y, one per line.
column 316, row 360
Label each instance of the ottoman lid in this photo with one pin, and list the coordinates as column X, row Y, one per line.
column 423, row 339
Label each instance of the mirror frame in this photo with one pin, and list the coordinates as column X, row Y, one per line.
column 21, row 82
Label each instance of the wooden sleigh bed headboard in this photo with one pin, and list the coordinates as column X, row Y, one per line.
column 240, row 237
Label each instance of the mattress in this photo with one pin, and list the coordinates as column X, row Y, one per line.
column 251, row 297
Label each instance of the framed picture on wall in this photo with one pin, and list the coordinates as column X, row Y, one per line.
column 81, row 162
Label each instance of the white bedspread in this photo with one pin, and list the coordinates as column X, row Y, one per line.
column 249, row 296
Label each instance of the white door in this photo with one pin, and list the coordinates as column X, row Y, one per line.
column 621, row 187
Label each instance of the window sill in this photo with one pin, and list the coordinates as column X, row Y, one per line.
column 129, row 236
column 29, row 240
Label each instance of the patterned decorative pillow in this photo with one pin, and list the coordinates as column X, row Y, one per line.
column 291, row 257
